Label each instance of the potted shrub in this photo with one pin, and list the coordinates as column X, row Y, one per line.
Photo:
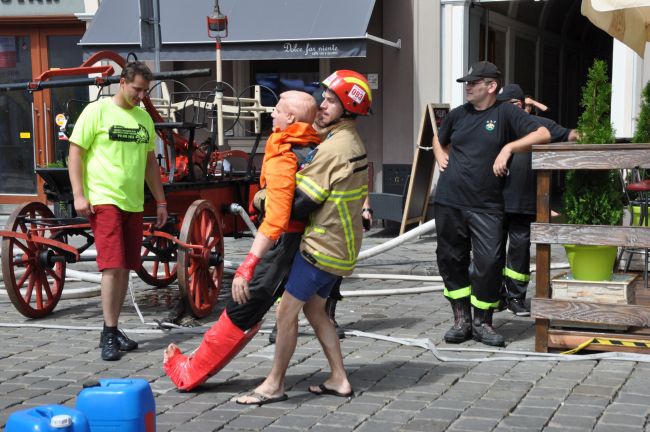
column 593, row 197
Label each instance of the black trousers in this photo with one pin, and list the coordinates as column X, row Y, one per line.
column 267, row 284
column 516, row 273
column 469, row 254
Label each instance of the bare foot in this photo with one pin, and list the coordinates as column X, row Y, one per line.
column 170, row 351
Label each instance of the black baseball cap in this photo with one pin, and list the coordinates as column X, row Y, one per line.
column 479, row 70
column 318, row 95
column 511, row 91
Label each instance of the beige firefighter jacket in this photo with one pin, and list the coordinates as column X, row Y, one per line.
column 337, row 177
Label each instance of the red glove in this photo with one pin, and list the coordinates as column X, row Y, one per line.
column 247, row 268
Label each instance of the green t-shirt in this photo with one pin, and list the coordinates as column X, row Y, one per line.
column 117, row 142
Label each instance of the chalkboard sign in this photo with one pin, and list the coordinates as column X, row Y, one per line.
column 422, row 170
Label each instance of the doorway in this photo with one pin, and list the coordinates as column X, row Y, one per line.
column 28, row 130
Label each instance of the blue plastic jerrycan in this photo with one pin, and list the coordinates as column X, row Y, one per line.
column 118, row 405
column 48, row 418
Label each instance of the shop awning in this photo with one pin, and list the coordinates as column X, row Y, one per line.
column 257, row 29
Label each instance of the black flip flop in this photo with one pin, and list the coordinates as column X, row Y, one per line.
column 328, row 391
column 262, row 399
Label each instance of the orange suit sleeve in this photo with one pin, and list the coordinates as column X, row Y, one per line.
column 280, row 180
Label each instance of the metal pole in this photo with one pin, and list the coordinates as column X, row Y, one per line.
column 156, row 38
column 219, row 95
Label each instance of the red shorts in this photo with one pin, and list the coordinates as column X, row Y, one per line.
column 118, row 237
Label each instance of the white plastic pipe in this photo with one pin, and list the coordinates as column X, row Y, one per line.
column 422, row 229
column 387, row 276
column 397, row 291
column 84, row 276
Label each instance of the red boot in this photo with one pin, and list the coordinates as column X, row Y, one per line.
column 220, row 344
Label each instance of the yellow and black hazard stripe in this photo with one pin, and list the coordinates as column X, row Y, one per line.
column 630, row 343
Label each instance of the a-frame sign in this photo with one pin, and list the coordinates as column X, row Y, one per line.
column 422, row 170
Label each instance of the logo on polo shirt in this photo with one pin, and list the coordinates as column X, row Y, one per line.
column 124, row 134
column 490, row 125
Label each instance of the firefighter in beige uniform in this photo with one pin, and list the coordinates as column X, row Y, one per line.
column 330, row 191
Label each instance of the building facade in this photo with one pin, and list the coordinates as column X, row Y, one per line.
column 412, row 52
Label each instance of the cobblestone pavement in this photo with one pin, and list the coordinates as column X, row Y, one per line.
column 397, row 387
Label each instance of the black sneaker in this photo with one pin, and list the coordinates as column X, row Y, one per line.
column 273, row 334
column 110, row 347
column 123, row 341
column 518, row 307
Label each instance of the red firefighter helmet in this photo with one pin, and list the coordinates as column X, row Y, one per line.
column 352, row 90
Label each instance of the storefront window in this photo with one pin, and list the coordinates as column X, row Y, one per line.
column 16, row 115
column 63, row 52
column 280, row 76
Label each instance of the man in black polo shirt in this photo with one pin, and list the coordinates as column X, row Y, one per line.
column 520, row 195
column 473, row 148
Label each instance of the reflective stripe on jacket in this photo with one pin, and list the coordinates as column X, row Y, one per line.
column 337, row 178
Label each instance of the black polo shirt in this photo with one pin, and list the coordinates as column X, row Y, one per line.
column 520, row 190
column 476, row 138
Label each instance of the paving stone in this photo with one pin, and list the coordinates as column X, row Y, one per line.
column 245, row 421
column 379, row 426
column 585, row 423
column 531, row 401
column 398, row 388
column 473, row 424
column 532, row 411
column 619, row 428
column 425, row 426
column 571, row 409
column 628, row 409
column 528, row 422
column 622, row 420
column 297, row 421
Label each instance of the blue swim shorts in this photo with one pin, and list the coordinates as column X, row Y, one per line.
column 305, row 280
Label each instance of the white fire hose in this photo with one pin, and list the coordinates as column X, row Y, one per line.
column 423, row 343
column 70, row 293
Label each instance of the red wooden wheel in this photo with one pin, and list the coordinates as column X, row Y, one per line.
column 162, row 271
column 34, row 283
column 200, row 272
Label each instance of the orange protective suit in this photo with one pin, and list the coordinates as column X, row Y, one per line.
column 278, row 177
column 225, row 338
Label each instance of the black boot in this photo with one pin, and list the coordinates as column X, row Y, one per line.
column 482, row 329
column 462, row 328
column 273, row 334
column 330, row 307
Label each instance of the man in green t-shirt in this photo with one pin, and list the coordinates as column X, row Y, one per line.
column 111, row 156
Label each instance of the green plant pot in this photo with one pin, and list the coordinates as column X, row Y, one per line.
column 636, row 216
column 591, row 263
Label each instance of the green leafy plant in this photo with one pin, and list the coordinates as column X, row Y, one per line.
column 57, row 164
column 594, row 197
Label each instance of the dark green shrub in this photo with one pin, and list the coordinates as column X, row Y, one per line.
column 594, row 197
column 642, row 133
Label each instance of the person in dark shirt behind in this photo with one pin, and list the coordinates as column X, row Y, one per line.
column 520, row 197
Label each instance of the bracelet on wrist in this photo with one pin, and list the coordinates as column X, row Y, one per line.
column 161, row 204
